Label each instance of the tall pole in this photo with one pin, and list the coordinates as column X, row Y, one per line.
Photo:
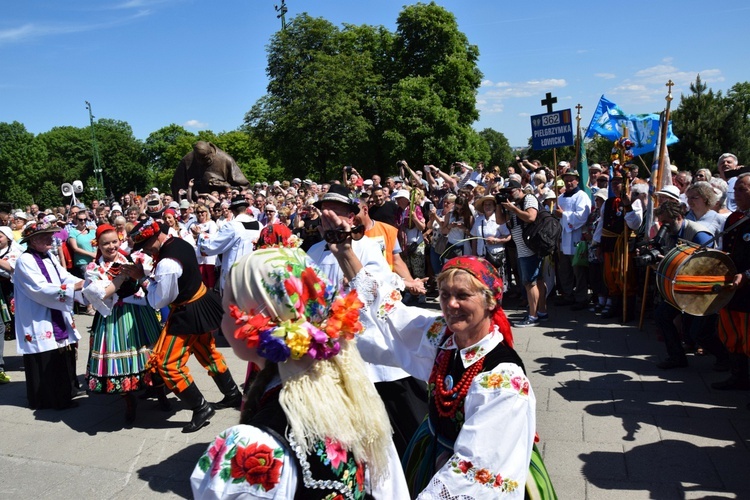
column 625, row 231
column 281, row 13
column 663, row 138
column 98, row 179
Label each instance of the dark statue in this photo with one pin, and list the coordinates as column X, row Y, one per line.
column 210, row 168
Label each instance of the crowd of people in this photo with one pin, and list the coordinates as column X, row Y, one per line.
column 347, row 384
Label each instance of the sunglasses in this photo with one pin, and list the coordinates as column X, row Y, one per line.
column 201, row 212
column 83, row 220
column 340, row 236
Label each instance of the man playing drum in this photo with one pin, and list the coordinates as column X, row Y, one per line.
column 700, row 328
column 734, row 319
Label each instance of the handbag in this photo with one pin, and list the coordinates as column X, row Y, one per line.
column 497, row 258
column 439, row 243
column 581, row 255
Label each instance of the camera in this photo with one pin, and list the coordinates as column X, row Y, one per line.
column 503, row 196
column 348, row 169
column 650, row 252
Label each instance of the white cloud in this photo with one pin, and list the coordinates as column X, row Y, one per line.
column 492, row 94
column 196, row 124
column 648, row 85
column 30, row 30
column 606, row 76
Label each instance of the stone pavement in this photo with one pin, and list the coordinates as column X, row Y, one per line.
column 611, row 425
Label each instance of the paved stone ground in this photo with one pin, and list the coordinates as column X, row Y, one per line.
column 611, row 425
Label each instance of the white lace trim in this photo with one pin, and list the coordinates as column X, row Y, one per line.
column 307, row 474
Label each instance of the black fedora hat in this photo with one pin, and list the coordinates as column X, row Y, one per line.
column 339, row 194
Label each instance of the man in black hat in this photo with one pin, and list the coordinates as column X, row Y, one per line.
column 233, row 240
column 404, row 397
column 195, row 312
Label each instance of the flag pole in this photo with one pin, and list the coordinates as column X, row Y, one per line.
column 663, row 137
column 625, row 230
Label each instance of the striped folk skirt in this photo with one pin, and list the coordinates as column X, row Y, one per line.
column 120, row 347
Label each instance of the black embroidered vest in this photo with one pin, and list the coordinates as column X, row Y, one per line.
column 317, row 478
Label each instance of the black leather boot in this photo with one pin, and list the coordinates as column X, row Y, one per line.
column 232, row 394
column 202, row 411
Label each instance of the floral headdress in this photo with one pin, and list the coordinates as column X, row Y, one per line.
column 144, row 231
column 283, row 307
column 48, row 225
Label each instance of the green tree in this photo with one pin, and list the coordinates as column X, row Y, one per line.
column 163, row 150
column 697, row 121
column 366, row 97
column 123, row 164
column 311, row 118
column 500, row 152
column 22, row 164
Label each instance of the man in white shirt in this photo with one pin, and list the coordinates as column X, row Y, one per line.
column 234, row 239
column 573, row 209
column 404, row 397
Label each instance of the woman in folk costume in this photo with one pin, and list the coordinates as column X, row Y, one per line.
column 313, row 425
column 478, row 438
column 123, row 331
column 45, row 330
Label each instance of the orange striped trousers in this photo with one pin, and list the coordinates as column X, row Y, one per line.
column 171, row 354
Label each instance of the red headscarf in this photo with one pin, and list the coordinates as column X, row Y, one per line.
column 488, row 275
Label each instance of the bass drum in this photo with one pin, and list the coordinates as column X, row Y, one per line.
column 696, row 281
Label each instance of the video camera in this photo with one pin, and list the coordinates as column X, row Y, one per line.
column 650, row 252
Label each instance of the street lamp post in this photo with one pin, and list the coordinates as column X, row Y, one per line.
column 98, row 179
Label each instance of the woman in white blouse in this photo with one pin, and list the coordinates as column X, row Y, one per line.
column 477, row 441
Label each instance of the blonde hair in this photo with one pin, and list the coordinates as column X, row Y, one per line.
column 334, row 398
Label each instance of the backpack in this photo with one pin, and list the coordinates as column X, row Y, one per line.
column 542, row 235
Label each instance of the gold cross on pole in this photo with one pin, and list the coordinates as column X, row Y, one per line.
column 578, row 114
column 670, row 84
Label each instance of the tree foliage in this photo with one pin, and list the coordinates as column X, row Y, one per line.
column 500, row 152
column 709, row 124
column 364, row 96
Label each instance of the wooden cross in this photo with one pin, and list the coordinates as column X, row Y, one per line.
column 549, row 101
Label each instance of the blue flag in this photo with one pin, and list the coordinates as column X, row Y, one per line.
column 609, row 121
column 606, row 116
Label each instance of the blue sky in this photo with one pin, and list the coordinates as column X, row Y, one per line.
column 201, row 64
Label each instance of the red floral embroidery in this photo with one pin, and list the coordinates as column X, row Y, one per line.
column 483, row 476
column 465, row 466
column 257, row 465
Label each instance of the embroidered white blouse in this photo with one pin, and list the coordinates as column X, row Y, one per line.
column 97, row 280
column 493, row 449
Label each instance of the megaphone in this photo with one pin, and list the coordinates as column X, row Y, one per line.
column 69, row 189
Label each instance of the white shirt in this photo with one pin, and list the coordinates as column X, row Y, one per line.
column 232, row 241
column 488, row 228
column 576, row 210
